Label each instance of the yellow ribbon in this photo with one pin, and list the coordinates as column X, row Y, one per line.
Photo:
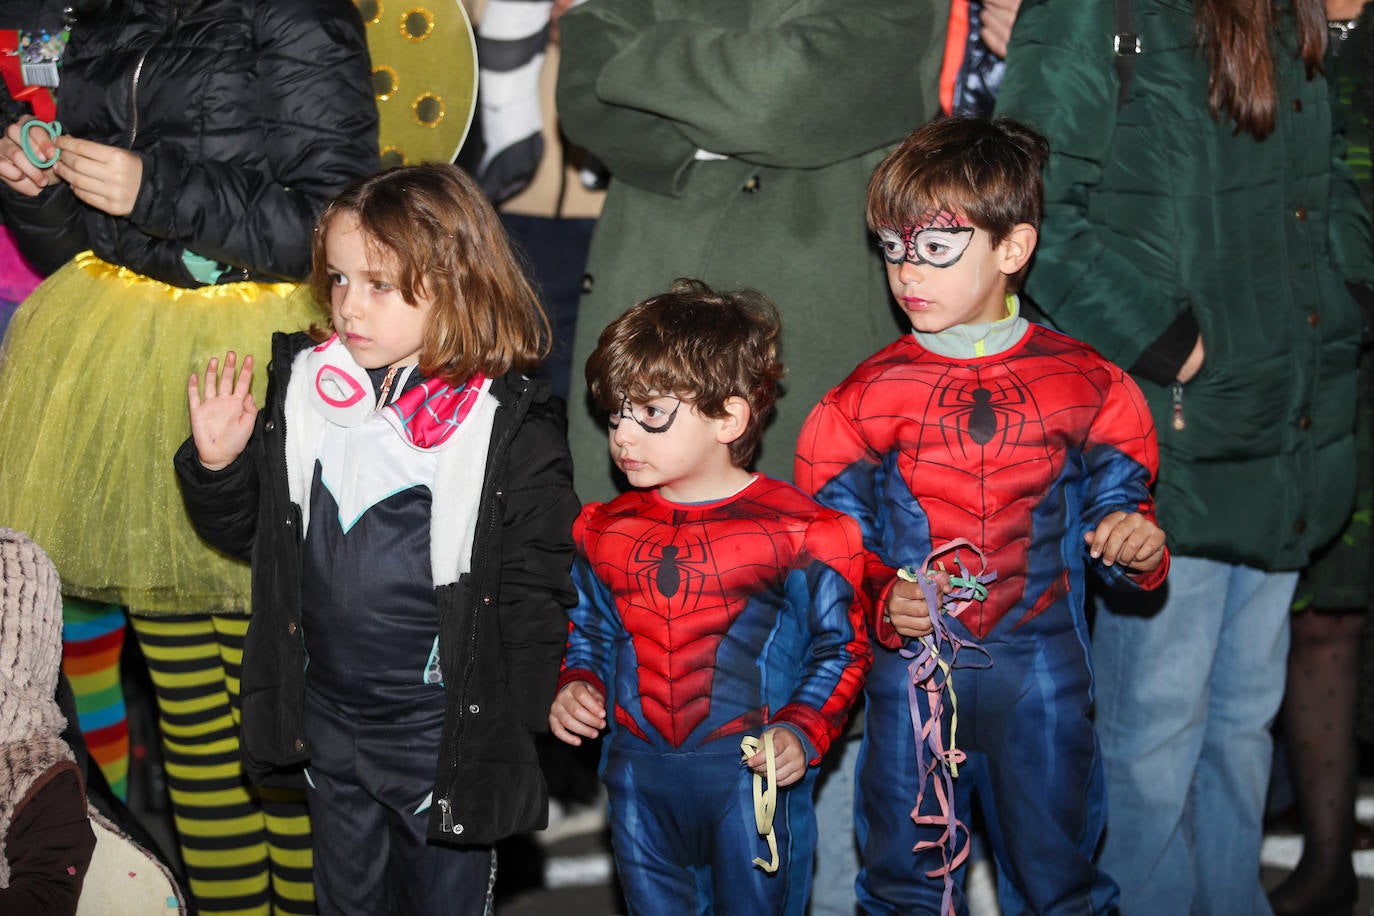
column 765, row 796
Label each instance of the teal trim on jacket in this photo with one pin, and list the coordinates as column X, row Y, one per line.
column 1162, row 223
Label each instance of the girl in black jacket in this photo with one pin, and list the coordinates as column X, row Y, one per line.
column 201, row 139
column 406, row 500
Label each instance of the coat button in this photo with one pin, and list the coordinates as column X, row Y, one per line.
column 270, row 425
column 457, row 829
column 487, row 600
column 474, row 709
column 1301, row 214
column 298, row 745
column 291, row 628
column 1313, row 320
column 587, row 283
column 1297, row 105
column 752, row 186
column 1305, row 423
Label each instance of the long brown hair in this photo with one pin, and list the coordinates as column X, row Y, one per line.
column 1237, row 37
column 434, row 227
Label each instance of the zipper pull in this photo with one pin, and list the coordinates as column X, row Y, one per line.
column 445, row 815
column 386, row 387
column 1178, row 422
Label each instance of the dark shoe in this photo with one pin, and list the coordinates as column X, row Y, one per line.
column 1337, row 898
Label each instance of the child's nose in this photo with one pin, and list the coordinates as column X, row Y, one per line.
column 910, row 272
column 350, row 304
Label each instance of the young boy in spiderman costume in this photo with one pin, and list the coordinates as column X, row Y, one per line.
column 983, row 426
column 714, row 605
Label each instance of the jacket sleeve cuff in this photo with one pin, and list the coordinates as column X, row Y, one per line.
column 1149, row 581
column 809, row 727
column 573, row 675
column 883, row 631
column 1162, row 359
column 189, row 468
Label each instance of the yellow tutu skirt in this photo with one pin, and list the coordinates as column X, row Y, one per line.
column 93, row 406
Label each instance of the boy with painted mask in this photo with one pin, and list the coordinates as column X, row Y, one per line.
column 984, row 427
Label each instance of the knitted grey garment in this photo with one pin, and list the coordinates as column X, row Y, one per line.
column 30, row 641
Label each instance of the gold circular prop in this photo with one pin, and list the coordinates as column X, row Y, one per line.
column 429, row 110
column 424, row 77
column 370, row 10
column 416, row 24
column 384, row 83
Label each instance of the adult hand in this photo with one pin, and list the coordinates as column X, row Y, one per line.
column 1193, row 363
column 15, row 168
column 222, row 420
column 105, row 177
column 998, row 16
column 579, row 711
column 559, row 8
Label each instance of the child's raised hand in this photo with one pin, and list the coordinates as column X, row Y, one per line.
column 789, row 757
column 222, row 420
column 579, row 711
column 1130, row 539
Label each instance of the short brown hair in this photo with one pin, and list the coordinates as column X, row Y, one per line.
column 693, row 340
column 987, row 171
column 436, row 228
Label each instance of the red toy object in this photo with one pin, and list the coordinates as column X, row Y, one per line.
column 40, row 98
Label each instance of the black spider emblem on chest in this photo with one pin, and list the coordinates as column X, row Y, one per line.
column 982, row 412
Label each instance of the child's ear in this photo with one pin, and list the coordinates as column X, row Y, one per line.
column 736, row 420
column 1016, row 249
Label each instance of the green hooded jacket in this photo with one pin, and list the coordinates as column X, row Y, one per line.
column 1161, row 224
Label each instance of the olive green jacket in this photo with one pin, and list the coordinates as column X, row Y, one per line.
column 1162, row 224
column 804, row 97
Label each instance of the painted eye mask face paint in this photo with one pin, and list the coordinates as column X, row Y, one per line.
column 653, row 416
column 941, row 242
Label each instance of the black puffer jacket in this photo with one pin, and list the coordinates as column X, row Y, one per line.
column 501, row 626
column 249, row 115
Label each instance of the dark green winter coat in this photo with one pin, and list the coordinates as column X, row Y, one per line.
column 804, row 97
column 1162, row 223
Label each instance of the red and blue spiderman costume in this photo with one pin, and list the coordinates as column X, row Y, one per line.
column 1021, row 453
column 700, row 624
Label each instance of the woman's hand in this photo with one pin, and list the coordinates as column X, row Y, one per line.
column 1193, row 363
column 105, row 177
column 15, row 168
column 222, row 420
column 998, row 17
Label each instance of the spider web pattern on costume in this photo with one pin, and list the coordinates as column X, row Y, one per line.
column 987, row 450
column 685, row 580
